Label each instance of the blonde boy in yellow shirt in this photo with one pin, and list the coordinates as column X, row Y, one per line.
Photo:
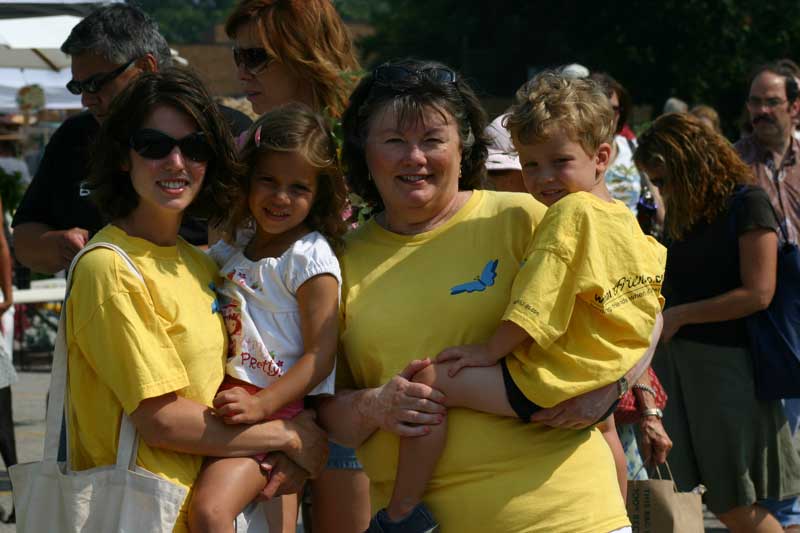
column 583, row 305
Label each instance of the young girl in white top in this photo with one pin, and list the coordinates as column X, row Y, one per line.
column 280, row 299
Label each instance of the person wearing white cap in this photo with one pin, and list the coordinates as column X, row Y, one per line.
column 502, row 164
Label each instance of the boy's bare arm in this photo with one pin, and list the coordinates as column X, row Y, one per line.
column 507, row 337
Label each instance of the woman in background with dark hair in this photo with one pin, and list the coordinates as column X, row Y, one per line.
column 154, row 348
column 721, row 267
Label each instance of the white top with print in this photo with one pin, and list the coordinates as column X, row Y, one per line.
column 259, row 302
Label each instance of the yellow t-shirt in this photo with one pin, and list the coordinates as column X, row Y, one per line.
column 588, row 294
column 496, row 474
column 127, row 342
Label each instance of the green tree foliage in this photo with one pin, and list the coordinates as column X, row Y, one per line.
column 698, row 50
column 186, row 21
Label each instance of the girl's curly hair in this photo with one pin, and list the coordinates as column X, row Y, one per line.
column 700, row 167
column 294, row 128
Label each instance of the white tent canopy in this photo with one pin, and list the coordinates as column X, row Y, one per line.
column 32, row 31
column 56, row 95
column 34, row 42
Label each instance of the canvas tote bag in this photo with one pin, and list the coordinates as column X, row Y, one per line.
column 49, row 496
column 656, row 506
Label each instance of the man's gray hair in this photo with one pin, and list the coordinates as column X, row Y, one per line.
column 118, row 33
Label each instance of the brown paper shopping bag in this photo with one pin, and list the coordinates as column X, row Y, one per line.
column 656, row 506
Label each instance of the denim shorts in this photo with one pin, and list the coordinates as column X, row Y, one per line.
column 341, row 458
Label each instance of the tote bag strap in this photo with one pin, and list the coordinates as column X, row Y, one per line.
column 128, row 437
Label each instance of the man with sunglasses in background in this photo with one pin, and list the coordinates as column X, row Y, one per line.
column 55, row 219
column 773, row 154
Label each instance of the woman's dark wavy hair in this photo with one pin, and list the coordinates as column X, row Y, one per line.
column 409, row 99
column 110, row 185
column 701, row 169
column 294, row 128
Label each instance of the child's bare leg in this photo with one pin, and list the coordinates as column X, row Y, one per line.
column 224, row 487
column 481, row 389
column 281, row 514
column 609, row 430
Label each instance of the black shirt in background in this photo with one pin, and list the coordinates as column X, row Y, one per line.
column 705, row 263
column 56, row 196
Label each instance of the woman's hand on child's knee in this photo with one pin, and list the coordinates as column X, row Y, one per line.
column 464, row 356
column 308, row 443
column 285, row 476
column 237, row 406
column 404, row 407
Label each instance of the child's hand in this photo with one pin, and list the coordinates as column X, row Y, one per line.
column 237, row 406
column 467, row 355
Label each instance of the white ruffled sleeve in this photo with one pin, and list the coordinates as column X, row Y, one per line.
column 309, row 257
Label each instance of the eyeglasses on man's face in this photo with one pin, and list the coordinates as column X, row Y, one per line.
column 94, row 84
column 755, row 102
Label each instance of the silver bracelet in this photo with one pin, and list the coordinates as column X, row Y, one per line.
column 648, row 388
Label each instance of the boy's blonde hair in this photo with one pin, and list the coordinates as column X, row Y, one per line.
column 552, row 101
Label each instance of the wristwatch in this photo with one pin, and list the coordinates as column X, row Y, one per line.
column 622, row 387
column 653, row 411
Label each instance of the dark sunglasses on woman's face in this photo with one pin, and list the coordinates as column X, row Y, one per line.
column 254, row 59
column 93, row 84
column 153, row 144
column 387, row 74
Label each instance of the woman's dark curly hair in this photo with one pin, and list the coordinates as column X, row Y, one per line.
column 294, row 128
column 409, row 98
column 110, row 185
column 701, row 169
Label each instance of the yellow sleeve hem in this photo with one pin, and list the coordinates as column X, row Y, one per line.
column 541, row 334
column 154, row 390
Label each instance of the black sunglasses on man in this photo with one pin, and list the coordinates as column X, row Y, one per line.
column 93, row 84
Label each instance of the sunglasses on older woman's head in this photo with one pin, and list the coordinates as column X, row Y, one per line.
column 388, row 74
column 153, row 144
column 253, row 59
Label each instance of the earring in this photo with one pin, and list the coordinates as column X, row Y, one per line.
column 369, row 176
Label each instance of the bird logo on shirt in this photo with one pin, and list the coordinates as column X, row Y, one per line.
column 480, row 283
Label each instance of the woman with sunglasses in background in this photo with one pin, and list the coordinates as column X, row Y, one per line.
column 415, row 148
column 291, row 51
column 721, row 267
column 154, row 347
